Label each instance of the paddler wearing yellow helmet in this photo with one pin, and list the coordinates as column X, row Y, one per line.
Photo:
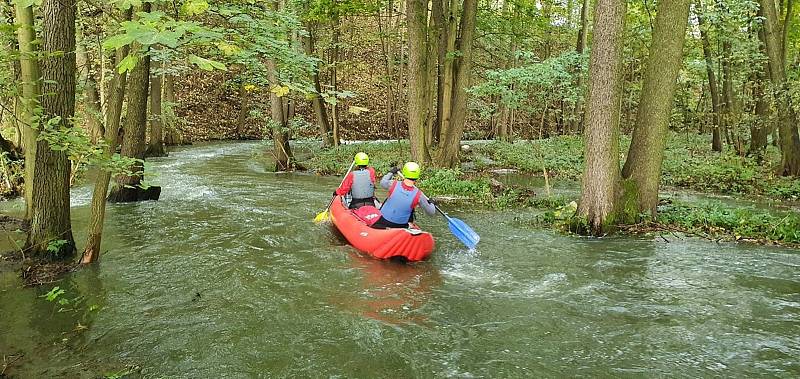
column 404, row 196
column 359, row 183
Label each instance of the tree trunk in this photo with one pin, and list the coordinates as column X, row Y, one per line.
column 716, row 139
column 317, row 102
column 280, row 135
column 50, row 233
column 583, row 35
column 92, row 107
column 646, row 152
column 787, row 119
column 731, row 107
column 335, row 81
column 30, row 75
column 128, row 187
column 760, row 128
column 431, row 127
column 440, row 9
column 417, row 75
column 601, row 176
column 155, row 147
column 451, row 136
column 172, row 135
column 448, row 76
column 116, row 97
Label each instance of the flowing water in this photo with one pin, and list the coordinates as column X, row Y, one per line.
column 226, row 276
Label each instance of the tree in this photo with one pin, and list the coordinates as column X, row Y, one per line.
column 454, row 120
column 50, row 233
column 716, row 137
column 128, row 185
column 601, row 177
column 317, row 102
column 29, row 74
column 155, row 147
column 417, row 80
column 787, row 119
column 94, row 233
column 646, row 152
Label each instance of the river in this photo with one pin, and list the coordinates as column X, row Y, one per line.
column 226, row 276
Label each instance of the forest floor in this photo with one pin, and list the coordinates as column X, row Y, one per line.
column 717, row 196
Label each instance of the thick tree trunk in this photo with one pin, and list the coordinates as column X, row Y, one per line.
column 601, row 176
column 787, row 119
column 439, row 10
column 431, row 127
column 417, row 76
column 317, row 102
column 50, row 233
column 646, row 152
column 155, row 147
column 448, row 75
column 128, row 187
column 94, row 233
column 716, row 138
column 450, row 143
column 30, row 75
column 172, row 136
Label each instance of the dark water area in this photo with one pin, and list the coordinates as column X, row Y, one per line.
column 226, row 276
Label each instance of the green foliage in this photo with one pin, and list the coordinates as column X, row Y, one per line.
column 54, row 246
column 561, row 156
column 334, row 161
column 448, row 182
column 53, row 294
column 737, row 223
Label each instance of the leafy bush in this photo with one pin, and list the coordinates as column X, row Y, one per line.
column 447, row 182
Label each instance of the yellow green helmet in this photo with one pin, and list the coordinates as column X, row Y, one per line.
column 361, row 159
column 411, row 170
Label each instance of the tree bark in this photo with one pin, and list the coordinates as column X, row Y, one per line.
column 448, row 76
column 128, row 187
column 731, row 107
column 646, row 152
column 787, row 119
column 155, row 147
column 716, row 138
column 601, row 176
column 760, row 128
column 583, row 35
column 450, row 143
column 317, row 102
column 30, row 75
column 94, row 233
column 172, row 135
column 280, row 134
column 92, row 107
column 335, row 80
column 50, row 233
column 417, row 75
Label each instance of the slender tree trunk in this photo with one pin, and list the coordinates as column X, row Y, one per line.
column 451, row 138
column 732, row 108
column 128, row 187
column 787, row 119
column 280, row 138
column 583, row 35
column 431, row 127
column 92, row 107
column 335, row 80
column 116, row 97
column 317, row 102
column 50, row 233
column 417, row 87
column 759, row 130
column 646, row 153
column 244, row 110
column 155, row 147
column 30, row 75
column 601, row 176
column 716, row 139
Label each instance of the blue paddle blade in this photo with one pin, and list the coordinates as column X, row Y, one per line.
column 463, row 232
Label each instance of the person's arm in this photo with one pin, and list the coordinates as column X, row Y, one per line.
column 346, row 185
column 427, row 206
column 387, row 180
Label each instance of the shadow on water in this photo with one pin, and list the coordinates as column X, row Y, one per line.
column 226, row 275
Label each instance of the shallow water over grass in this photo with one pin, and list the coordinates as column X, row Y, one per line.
column 227, row 276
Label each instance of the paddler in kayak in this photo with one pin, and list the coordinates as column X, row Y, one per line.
column 404, row 196
column 359, row 183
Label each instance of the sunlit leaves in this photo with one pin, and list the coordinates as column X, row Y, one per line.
column 128, row 63
column 27, row 3
column 194, row 7
column 280, row 91
column 206, row 64
column 357, row 110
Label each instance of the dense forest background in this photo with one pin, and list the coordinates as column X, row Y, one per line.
column 83, row 80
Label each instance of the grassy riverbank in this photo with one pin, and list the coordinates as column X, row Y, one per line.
column 688, row 164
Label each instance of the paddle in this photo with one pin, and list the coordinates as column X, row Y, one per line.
column 324, row 216
column 461, row 230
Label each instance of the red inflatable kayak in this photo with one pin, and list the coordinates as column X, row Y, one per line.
column 412, row 243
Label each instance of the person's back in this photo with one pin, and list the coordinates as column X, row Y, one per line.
column 359, row 183
column 398, row 209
